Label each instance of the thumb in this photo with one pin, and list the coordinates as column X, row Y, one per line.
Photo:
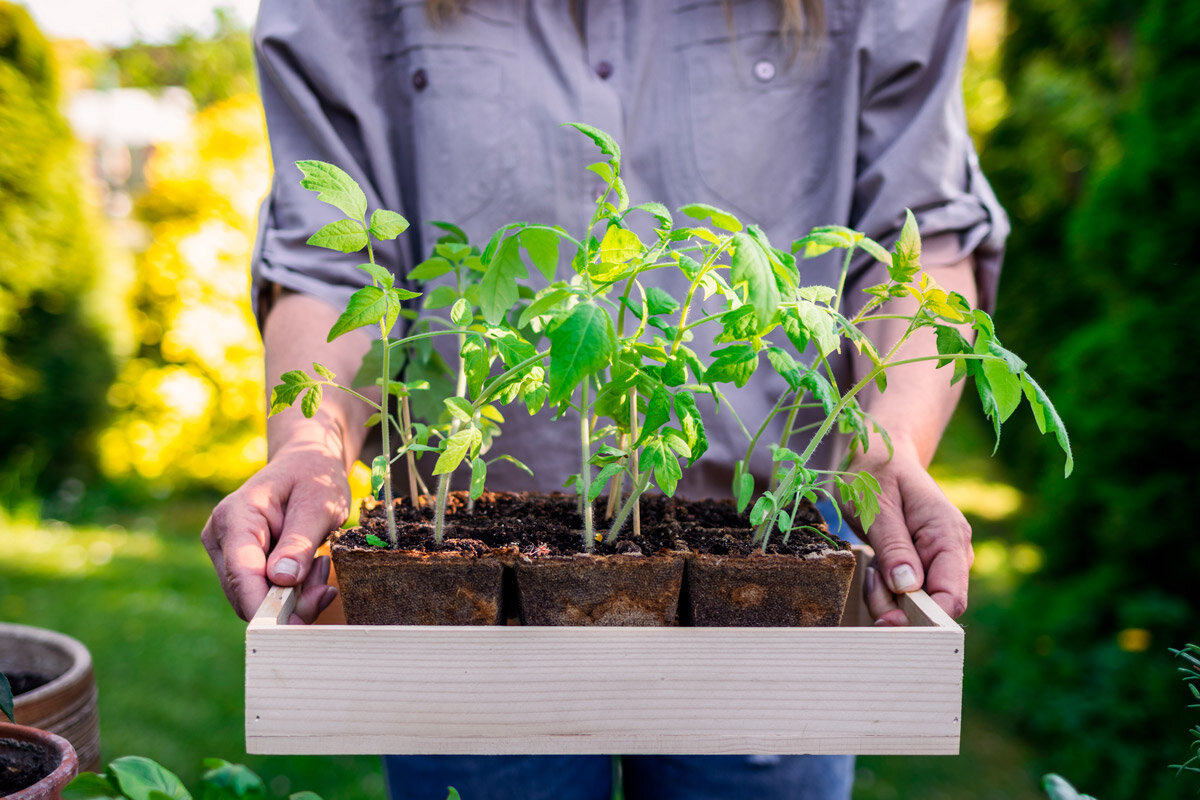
column 305, row 527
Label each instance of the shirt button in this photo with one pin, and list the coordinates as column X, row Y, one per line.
column 420, row 80
column 604, row 69
column 764, row 70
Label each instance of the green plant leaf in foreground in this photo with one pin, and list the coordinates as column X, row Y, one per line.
column 6, row 698
column 387, row 224
column 751, row 268
column 1058, row 788
column 499, row 288
column 142, row 779
column 90, row 786
column 581, row 346
column 335, row 187
column 226, row 781
column 1047, row 419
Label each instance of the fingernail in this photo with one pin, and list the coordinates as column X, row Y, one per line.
column 904, row 579
column 286, row 568
column 872, row 579
column 882, row 623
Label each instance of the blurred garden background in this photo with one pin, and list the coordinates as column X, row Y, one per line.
column 131, row 391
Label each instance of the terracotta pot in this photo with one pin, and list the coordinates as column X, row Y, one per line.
column 34, row 764
column 630, row 590
column 410, row 587
column 66, row 705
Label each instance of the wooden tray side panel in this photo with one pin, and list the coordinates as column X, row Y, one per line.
column 603, row 690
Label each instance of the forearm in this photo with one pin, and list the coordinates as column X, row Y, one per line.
column 920, row 399
column 294, row 336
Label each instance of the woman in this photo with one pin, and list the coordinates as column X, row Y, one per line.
column 789, row 115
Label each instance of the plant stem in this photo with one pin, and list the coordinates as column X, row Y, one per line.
column 443, row 490
column 585, row 476
column 635, row 493
column 785, row 438
column 406, row 422
column 633, row 460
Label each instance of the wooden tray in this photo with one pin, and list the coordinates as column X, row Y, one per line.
column 341, row 689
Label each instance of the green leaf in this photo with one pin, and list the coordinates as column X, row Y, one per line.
column 304, row 795
column 380, row 274
column 478, row 476
column 367, row 306
column 619, row 246
column 906, row 254
column 822, row 390
column 602, row 478
column 139, row 777
column 659, row 302
column 226, row 781
column 452, row 793
column 658, row 413
column 582, row 345
column 660, row 213
column 311, row 402
column 1006, row 386
column 324, row 372
column 460, row 409
column 822, row 239
column 344, row 235
column 456, row 449
column 820, row 324
column 786, row 366
column 514, row 461
column 430, row 268
column 387, row 224
column 542, row 305
column 454, row 234
column 6, row 698
column 1047, row 418
column 498, row 291
column 692, row 423
column 608, row 145
column 877, row 251
column 440, row 297
column 762, row 509
column 720, row 219
column 659, row 457
column 90, row 786
column 863, row 491
column 379, row 474
column 1057, row 788
column 734, row 364
column 744, row 490
column 541, row 246
column 335, row 187
column 460, row 313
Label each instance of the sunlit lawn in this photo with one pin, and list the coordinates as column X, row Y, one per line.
column 137, row 588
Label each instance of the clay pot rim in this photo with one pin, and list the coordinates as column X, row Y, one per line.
column 60, row 748
column 80, row 658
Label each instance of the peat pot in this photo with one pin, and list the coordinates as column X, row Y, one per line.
column 54, row 687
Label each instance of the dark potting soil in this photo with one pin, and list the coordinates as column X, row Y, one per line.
column 23, row 682
column 23, row 764
column 551, row 525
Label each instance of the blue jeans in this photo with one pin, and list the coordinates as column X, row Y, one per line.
column 642, row 777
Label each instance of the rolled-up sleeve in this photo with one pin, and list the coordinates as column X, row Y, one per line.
column 913, row 148
column 319, row 85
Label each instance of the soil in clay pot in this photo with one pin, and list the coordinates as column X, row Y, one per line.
column 730, row 582
column 34, row 764
column 22, row 764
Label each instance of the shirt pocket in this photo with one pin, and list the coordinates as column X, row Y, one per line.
column 456, row 139
column 753, row 107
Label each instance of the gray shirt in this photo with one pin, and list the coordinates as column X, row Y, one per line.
column 461, row 122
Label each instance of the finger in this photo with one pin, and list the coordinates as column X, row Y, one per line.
column 898, row 561
column 315, row 595
column 948, row 567
column 881, row 603
column 236, row 538
column 310, row 516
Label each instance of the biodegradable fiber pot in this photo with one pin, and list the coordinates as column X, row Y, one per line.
column 54, row 686
column 34, row 764
column 621, row 589
column 412, row 587
column 730, row 583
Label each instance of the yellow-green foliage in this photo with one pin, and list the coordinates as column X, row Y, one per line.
column 53, row 364
column 189, row 404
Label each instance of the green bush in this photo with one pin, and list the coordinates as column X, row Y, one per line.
column 1104, row 254
column 54, row 363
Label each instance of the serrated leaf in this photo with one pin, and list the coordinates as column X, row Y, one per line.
column 606, row 143
column 1047, row 418
column 478, row 476
column 658, row 413
column 460, row 313
column 324, row 371
column 311, row 402
column 456, row 449
column 387, row 224
column 430, row 268
column 877, row 251
column 734, row 364
column 906, row 254
column 692, row 423
column 335, row 187
column 367, row 306
column 660, row 213
column 380, row 274
column 582, row 345
column 541, row 246
column 658, row 456
column 786, row 366
column 343, row 235
column 751, row 268
column 498, row 290
column 460, row 409
column 619, row 246
column 720, row 219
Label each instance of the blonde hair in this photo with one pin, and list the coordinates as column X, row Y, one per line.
column 799, row 20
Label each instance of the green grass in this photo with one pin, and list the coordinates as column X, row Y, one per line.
column 137, row 588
